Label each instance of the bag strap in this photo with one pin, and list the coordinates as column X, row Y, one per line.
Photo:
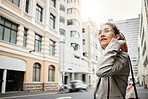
column 133, row 80
column 108, row 89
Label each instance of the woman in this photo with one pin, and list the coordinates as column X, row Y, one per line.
column 113, row 65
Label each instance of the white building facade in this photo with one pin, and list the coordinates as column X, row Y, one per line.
column 29, row 45
column 143, row 46
column 90, row 49
column 130, row 28
column 73, row 66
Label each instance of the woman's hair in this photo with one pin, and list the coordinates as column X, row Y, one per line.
column 116, row 30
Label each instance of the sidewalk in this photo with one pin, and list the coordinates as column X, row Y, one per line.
column 142, row 93
column 24, row 93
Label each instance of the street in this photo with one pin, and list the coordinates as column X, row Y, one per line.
column 48, row 95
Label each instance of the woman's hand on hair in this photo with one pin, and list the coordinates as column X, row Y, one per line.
column 123, row 45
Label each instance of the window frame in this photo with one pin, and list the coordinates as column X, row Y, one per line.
column 52, row 21
column 51, row 71
column 39, row 41
column 12, row 1
column 27, row 6
column 75, row 34
column 53, row 3
column 76, row 46
column 39, row 13
column 52, row 47
column 62, row 31
column 11, row 29
column 35, row 75
column 25, row 37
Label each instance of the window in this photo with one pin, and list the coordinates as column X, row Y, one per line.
column 62, row 7
column 73, row 1
column 8, row 30
column 25, row 37
column 52, row 21
column 69, row 1
column 73, row 22
column 72, row 11
column 62, row 31
column 51, row 73
column 53, row 3
column 62, row 19
column 39, row 13
column 75, row 46
column 38, row 40
column 51, row 47
column 15, row 2
column 27, row 6
column 83, row 41
column 83, row 30
column 36, row 72
column 74, row 34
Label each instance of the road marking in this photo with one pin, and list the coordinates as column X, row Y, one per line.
column 28, row 95
column 64, row 98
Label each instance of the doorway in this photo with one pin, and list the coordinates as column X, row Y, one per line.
column 83, row 78
column 1, row 79
column 14, row 80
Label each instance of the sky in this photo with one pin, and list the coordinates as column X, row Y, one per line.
column 102, row 10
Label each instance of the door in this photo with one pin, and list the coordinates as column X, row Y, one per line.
column 1, row 79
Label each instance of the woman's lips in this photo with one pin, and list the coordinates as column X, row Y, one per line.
column 102, row 39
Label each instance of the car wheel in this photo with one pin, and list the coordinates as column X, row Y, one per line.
column 70, row 90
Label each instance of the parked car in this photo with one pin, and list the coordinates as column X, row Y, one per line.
column 77, row 85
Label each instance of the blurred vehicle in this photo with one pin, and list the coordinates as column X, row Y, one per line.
column 77, row 85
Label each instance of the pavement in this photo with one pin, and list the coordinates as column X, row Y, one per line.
column 142, row 92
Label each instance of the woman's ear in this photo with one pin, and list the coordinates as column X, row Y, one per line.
column 117, row 36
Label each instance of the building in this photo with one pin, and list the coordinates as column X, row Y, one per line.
column 29, row 45
column 90, row 49
column 130, row 28
column 143, row 46
column 73, row 66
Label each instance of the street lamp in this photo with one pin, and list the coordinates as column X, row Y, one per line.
column 63, row 62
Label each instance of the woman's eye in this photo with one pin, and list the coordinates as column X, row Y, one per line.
column 107, row 30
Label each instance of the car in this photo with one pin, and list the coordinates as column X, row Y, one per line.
column 77, row 85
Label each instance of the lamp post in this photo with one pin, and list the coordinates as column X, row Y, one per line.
column 63, row 62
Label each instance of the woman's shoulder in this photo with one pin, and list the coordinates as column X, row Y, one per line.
column 123, row 54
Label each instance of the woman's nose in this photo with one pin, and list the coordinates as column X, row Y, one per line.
column 102, row 34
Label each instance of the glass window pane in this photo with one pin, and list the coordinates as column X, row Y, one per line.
column 39, row 47
column 8, row 23
column 7, row 34
column 1, row 20
column 25, row 37
column 14, row 26
column 36, row 45
column 24, row 41
column 33, row 74
column 1, row 32
column 16, row 2
column 10, row 0
column 50, row 75
column 37, row 74
column 13, row 37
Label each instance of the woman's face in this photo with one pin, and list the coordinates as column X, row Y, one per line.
column 106, row 33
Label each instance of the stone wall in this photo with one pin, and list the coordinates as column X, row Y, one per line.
column 50, row 86
column 39, row 86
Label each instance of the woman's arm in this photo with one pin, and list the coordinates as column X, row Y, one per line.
column 109, row 62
